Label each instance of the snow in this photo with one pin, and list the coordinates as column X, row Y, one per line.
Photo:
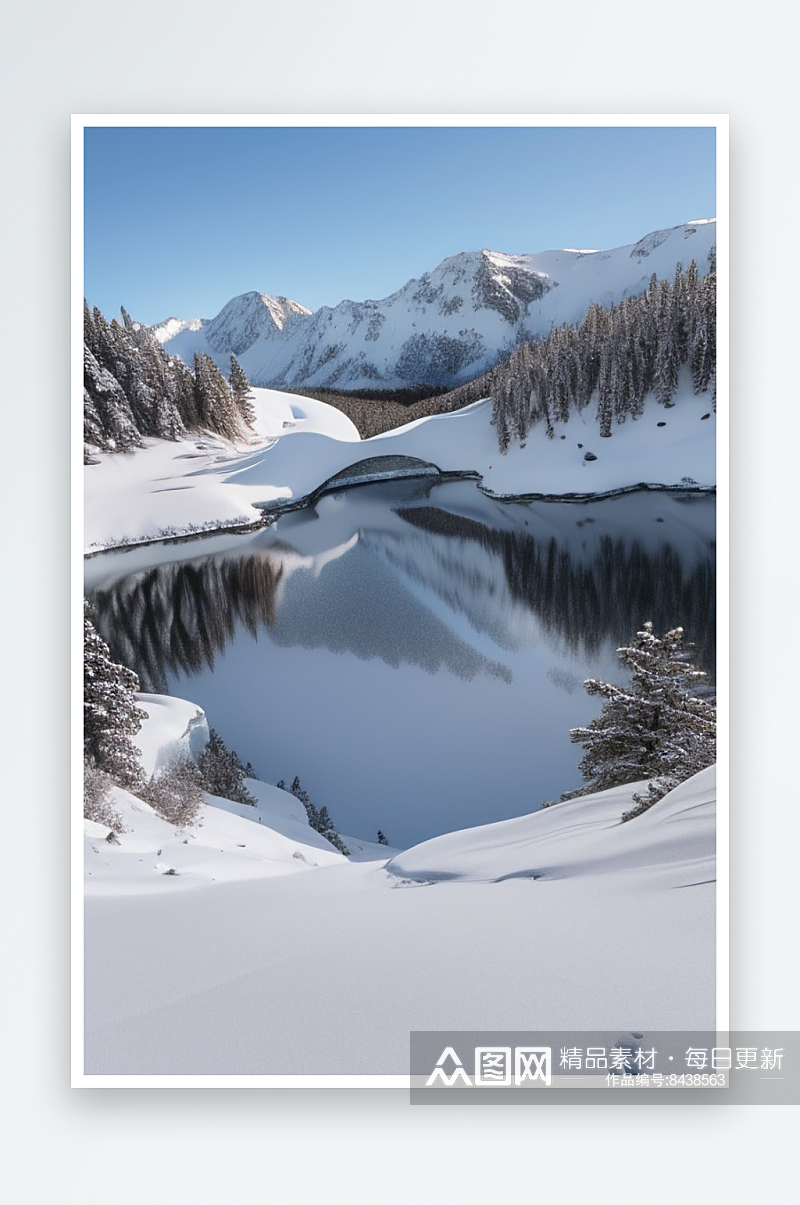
column 479, row 302
column 300, row 443
column 637, row 452
column 154, row 857
column 168, row 488
column 247, row 945
column 266, row 954
column 470, row 300
column 172, row 728
column 281, row 811
column 673, row 842
column 164, row 331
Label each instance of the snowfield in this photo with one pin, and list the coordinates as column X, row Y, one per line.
column 205, row 484
column 188, row 486
column 254, row 948
column 246, row 944
column 581, row 838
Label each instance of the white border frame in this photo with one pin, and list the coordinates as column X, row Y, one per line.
column 79, row 123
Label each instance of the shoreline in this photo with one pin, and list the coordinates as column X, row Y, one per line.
column 272, row 511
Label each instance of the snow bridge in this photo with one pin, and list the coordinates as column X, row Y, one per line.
column 363, row 472
column 377, row 468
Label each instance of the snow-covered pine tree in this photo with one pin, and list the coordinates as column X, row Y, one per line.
column 647, row 337
column 623, row 389
column 667, row 357
column 129, row 391
column 108, row 421
column 605, row 390
column 617, row 356
column 222, row 772
column 215, row 404
column 593, row 333
column 656, row 727
column 499, row 418
column 140, row 366
column 703, row 346
column 326, row 827
column 156, row 369
column 110, row 714
column 681, row 313
column 242, row 392
column 89, row 337
column 563, row 388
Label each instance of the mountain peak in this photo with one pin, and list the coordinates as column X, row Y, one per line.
column 444, row 327
column 249, row 317
column 170, row 327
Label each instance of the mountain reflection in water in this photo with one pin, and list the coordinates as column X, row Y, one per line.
column 325, row 646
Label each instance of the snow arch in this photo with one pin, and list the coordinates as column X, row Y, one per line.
column 378, row 468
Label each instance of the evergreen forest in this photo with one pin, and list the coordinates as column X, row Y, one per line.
column 133, row 389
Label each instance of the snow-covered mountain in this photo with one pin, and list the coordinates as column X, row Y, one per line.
column 439, row 330
column 238, row 326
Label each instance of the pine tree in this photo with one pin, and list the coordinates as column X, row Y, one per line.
column 500, row 419
column 108, row 420
column 382, row 838
column 656, row 727
column 216, row 407
column 703, row 343
column 605, row 387
column 667, row 354
column 110, row 714
column 222, row 771
column 242, row 392
column 89, row 336
column 617, row 356
column 130, row 385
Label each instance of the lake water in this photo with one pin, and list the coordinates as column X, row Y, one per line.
column 414, row 651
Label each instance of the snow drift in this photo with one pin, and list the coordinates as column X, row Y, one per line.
column 250, row 959
column 674, row 841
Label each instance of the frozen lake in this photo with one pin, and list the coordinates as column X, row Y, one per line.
column 414, row 651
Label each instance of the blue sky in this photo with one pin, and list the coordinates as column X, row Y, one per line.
column 179, row 219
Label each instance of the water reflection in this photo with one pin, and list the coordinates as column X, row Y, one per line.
column 603, row 590
column 414, row 652
column 392, row 590
column 178, row 617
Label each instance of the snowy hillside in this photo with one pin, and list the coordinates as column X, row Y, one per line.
column 171, row 728
column 253, row 949
column 168, row 488
column 441, row 329
column 673, row 842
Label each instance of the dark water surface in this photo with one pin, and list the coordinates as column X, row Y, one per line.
column 414, row 651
